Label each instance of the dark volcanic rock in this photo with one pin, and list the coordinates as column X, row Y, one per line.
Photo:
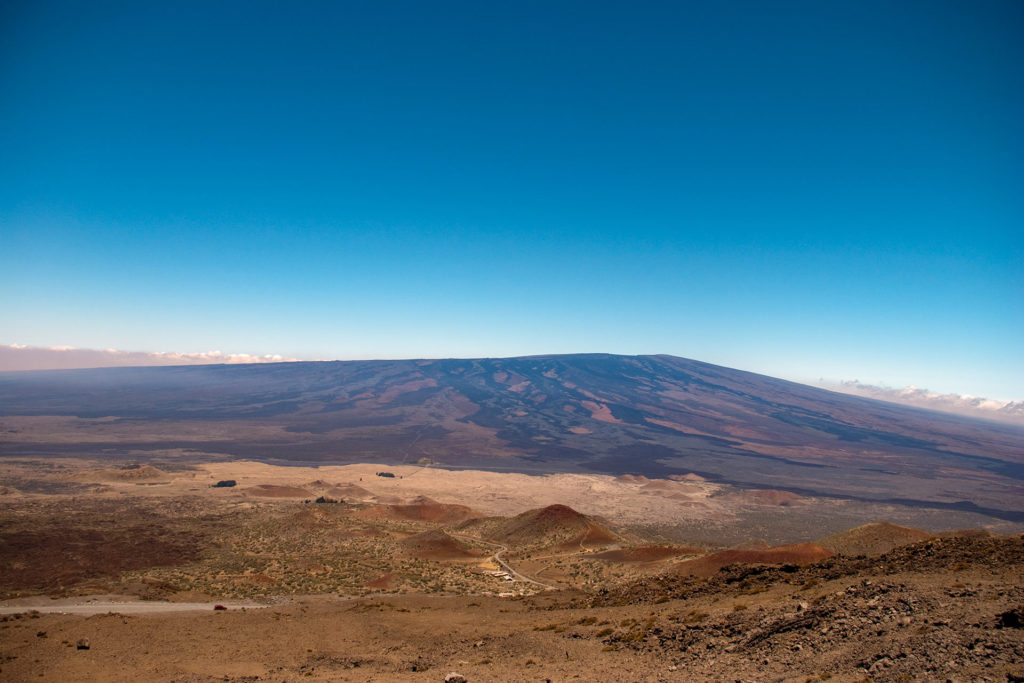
column 1013, row 618
column 928, row 556
column 892, row 618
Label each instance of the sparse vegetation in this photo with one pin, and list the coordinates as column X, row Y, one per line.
column 243, row 548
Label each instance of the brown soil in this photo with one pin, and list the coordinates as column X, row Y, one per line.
column 945, row 608
column 600, row 412
column 908, row 615
column 131, row 473
column 796, row 553
column 687, row 477
column 421, row 510
column 772, row 497
column 52, row 551
column 646, row 553
column 937, row 610
column 311, row 516
column 659, row 485
column 272, row 491
column 437, row 545
column 557, row 525
column 966, row 533
column 385, row 582
column 872, row 539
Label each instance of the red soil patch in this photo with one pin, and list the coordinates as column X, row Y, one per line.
column 646, row 553
column 422, row 509
column 349, row 493
column 696, row 478
column 59, row 554
column 796, row 553
column 555, row 524
column 437, row 545
column 391, row 393
column 595, row 536
column 271, row 491
column 311, row 516
column 600, row 412
column 384, row 581
column 772, row 497
column 579, row 430
column 659, row 485
column 877, row 538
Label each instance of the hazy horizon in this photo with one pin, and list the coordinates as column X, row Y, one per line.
column 14, row 357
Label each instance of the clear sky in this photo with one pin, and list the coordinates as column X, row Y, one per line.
column 805, row 189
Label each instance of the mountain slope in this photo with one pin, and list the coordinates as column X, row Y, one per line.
column 553, row 525
column 651, row 415
column 876, row 538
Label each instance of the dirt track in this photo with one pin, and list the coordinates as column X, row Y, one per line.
column 120, row 607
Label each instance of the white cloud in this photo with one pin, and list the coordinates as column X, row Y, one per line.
column 961, row 404
column 218, row 357
column 22, row 357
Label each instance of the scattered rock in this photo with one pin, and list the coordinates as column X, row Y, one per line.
column 454, row 678
column 1013, row 618
column 83, row 644
column 881, row 664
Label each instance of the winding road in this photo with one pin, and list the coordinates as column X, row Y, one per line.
column 501, row 562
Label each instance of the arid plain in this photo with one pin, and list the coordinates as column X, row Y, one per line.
column 529, row 577
column 122, row 525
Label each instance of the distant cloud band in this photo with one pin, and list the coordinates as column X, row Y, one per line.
column 961, row 404
column 21, row 357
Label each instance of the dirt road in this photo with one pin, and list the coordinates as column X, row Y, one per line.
column 501, row 562
column 120, row 607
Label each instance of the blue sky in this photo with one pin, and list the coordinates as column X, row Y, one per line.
column 803, row 189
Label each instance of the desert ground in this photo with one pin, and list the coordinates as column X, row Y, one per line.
column 346, row 573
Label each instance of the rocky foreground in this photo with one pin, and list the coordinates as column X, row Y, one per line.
column 943, row 609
